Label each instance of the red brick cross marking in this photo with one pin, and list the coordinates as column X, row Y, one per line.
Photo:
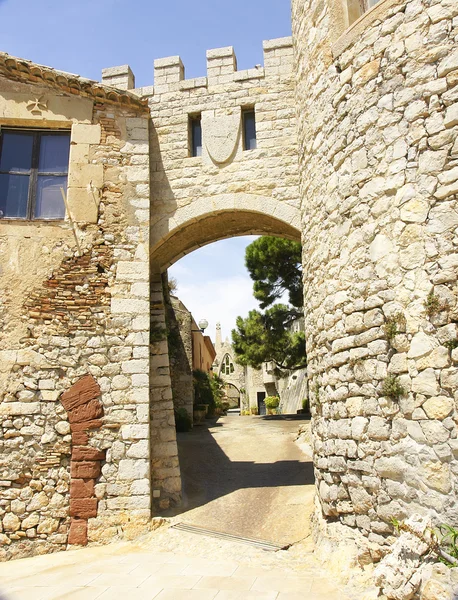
column 84, row 410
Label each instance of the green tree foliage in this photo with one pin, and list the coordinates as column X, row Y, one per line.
column 208, row 389
column 275, row 266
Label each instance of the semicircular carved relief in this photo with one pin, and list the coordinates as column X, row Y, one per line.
column 221, row 135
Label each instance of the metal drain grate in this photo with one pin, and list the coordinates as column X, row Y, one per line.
column 263, row 545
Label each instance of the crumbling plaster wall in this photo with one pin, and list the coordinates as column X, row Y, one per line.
column 76, row 302
column 378, row 147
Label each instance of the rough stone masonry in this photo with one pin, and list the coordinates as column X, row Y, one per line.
column 357, row 155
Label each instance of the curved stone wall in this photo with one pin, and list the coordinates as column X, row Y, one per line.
column 378, row 137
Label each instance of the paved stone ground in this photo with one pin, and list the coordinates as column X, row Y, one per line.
column 170, row 564
column 245, row 476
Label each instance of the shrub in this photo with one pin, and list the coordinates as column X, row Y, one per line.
column 272, row 401
column 451, row 344
column 393, row 388
column 183, row 421
column 393, row 326
column 433, row 304
column 306, row 404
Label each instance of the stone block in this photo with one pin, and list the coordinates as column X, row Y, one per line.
column 87, row 453
column 132, row 271
column 139, row 450
column 131, row 469
column 84, row 508
column 129, row 306
column 81, row 392
column 77, row 535
column 81, row 175
column 85, row 469
column 86, row 134
column 10, row 409
column 85, row 412
column 426, row 383
column 138, row 366
column 80, row 438
column 451, row 116
column 135, row 432
column 439, row 407
column 83, row 204
column 82, row 488
column 85, row 426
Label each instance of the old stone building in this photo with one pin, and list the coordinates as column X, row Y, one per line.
column 345, row 138
column 189, row 350
column 247, row 387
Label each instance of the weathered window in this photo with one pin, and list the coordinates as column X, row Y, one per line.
column 33, row 169
column 195, row 135
column 356, row 8
column 249, row 129
column 227, row 366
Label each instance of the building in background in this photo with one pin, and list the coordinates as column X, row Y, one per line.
column 189, row 350
column 247, row 387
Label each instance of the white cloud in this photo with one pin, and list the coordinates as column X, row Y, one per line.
column 218, row 300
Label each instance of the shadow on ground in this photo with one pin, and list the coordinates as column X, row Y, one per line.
column 208, row 473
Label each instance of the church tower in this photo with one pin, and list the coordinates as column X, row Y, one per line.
column 218, row 342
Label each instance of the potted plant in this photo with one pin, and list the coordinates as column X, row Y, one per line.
column 199, row 413
column 272, row 403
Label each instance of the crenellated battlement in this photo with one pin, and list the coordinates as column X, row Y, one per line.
column 169, row 72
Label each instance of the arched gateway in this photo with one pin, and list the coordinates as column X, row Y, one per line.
column 350, row 145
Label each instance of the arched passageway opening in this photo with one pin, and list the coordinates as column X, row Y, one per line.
column 212, row 473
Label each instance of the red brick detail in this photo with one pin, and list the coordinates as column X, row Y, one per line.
column 82, row 488
column 87, row 453
column 85, row 469
column 79, row 438
column 86, row 425
column 77, row 534
column 61, row 299
column 85, row 508
column 84, row 411
column 82, row 392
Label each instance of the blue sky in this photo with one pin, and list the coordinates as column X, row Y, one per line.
column 213, row 283
column 85, row 36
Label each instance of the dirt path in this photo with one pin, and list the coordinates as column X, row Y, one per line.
column 246, row 476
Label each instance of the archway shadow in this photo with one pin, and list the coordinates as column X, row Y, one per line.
column 208, row 473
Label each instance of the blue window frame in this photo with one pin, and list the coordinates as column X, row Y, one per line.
column 249, row 129
column 33, row 169
column 195, row 132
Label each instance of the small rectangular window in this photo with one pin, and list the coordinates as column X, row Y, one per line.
column 195, row 135
column 249, row 130
column 33, row 169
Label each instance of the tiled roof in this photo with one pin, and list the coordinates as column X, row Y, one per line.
column 19, row 69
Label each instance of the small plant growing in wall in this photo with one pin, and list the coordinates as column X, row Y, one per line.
column 433, row 304
column 316, row 393
column 442, row 542
column 394, row 325
column 393, row 388
column 451, row 344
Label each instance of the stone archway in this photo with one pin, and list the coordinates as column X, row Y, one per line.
column 232, row 395
column 211, row 219
column 205, row 221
